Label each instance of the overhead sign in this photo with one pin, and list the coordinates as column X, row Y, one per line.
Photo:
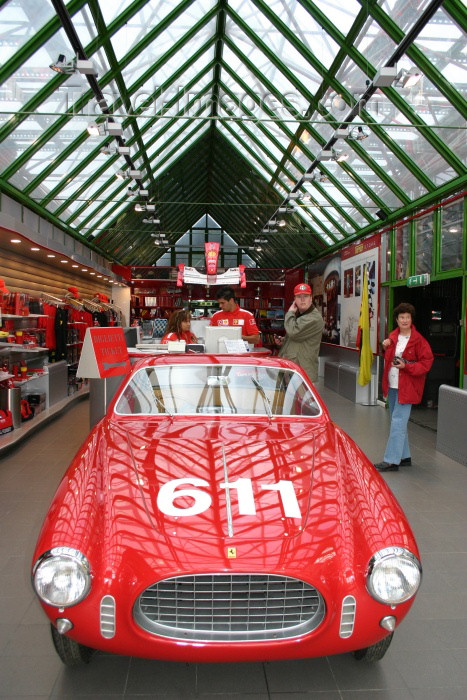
column 104, row 354
column 418, row 280
column 190, row 275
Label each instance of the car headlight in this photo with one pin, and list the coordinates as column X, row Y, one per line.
column 394, row 575
column 61, row 577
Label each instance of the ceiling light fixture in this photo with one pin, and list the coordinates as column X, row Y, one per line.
column 151, row 220
column 86, row 67
column 143, row 193
column 112, row 150
column 323, row 177
column 309, row 177
column 385, row 76
column 408, row 78
column 358, row 134
column 128, row 174
column 325, row 155
column 341, row 133
column 341, row 157
column 95, row 129
column 293, row 195
column 61, row 65
column 110, row 128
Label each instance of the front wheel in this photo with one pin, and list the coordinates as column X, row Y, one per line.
column 375, row 652
column 69, row 651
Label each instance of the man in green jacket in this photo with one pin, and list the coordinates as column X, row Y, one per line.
column 304, row 328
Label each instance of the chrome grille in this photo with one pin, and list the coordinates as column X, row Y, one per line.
column 230, row 607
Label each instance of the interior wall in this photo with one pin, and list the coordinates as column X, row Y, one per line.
column 27, row 275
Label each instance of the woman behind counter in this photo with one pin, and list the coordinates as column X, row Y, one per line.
column 178, row 327
column 407, row 360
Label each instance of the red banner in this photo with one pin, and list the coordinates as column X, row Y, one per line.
column 181, row 269
column 211, row 251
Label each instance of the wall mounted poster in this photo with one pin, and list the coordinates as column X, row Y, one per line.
column 354, row 259
column 325, row 279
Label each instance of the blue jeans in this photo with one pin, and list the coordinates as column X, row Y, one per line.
column 397, row 447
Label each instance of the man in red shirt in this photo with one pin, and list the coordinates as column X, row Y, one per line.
column 231, row 314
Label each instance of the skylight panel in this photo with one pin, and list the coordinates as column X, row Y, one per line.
column 19, row 22
column 162, row 168
column 161, row 45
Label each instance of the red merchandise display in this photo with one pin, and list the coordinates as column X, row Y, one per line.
column 6, row 421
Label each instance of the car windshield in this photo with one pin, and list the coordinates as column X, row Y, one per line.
column 217, row 389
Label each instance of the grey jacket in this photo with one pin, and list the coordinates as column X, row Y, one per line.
column 303, row 339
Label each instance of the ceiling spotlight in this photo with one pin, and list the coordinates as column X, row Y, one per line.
column 143, row 193
column 95, row 129
column 110, row 128
column 122, row 175
column 309, row 177
column 61, row 65
column 325, row 155
column 341, row 157
column 358, row 134
column 86, row 68
column 385, row 76
column 140, row 207
column 151, row 220
column 281, row 223
column 150, row 207
column 260, row 240
column 135, row 174
column 408, row 78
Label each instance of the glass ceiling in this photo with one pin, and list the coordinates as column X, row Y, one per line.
column 225, row 107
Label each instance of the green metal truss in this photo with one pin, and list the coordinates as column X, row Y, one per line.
column 236, row 162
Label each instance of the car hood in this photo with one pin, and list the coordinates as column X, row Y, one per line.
column 252, row 486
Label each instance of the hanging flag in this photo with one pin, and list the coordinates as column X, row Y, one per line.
column 211, row 253
column 363, row 335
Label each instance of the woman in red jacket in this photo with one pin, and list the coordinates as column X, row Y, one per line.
column 407, row 360
column 178, row 327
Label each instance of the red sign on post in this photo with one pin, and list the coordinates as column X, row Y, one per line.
column 104, row 354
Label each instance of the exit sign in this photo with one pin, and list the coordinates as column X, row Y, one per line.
column 418, row 280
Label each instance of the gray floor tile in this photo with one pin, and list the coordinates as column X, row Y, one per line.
column 145, row 676
column 426, row 659
column 304, row 675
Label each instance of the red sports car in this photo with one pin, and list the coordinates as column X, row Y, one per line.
column 217, row 514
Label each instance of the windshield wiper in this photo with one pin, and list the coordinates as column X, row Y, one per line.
column 267, row 403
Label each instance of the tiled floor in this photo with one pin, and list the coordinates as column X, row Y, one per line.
column 427, row 658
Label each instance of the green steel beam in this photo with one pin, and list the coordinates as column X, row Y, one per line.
column 35, row 43
column 427, row 200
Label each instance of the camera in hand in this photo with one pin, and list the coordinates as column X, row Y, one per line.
column 397, row 359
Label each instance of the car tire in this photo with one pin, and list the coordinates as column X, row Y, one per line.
column 69, row 651
column 375, row 652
